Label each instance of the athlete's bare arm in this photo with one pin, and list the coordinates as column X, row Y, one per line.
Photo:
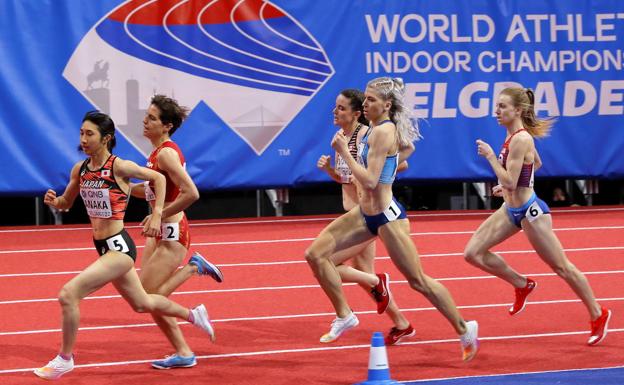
column 537, row 163
column 65, row 201
column 404, row 153
column 324, row 163
column 380, row 143
column 518, row 148
column 169, row 161
column 137, row 190
column 127, row 169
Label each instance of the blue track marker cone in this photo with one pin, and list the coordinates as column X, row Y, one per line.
column 378, row 369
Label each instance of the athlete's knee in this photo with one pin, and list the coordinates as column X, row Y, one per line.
column 419, row 283
column 473, row 255
column 565, row 270
column 142, row 305
column 313, row 256
column 68, row 297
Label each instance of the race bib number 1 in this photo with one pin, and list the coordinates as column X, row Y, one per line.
column 392, row 212
column 534, row 211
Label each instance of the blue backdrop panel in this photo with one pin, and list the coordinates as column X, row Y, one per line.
column 261, row 79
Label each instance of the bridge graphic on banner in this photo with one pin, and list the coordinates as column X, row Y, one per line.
column 253, row 64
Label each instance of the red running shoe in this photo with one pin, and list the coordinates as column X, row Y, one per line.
column 381, row 292
column 396, row 335
column 599, row 327
column 521, row 297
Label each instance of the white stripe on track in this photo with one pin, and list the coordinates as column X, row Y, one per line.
column 292, row 287
column 319, row 219
column 319, row 349
column 309, row 315
column 300, row 261
column 288, row 240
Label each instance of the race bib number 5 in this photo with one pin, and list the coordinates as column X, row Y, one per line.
column 117, row 243
column 534, row 211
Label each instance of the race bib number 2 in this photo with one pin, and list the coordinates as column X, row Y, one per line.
column 170, row 231
column 534, row 211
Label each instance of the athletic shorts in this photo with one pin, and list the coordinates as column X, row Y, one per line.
column 393, row 212
column 531, row 210
column 121, row 242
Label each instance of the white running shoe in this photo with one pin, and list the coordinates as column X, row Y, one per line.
column 202, row 321
column 470, row 341
column 339, row 326
column 55, row 368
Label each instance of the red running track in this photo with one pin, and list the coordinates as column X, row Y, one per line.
column 269, row 312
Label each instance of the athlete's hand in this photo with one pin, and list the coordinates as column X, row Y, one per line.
column 50, row 198
column 151, row 226
column 484, row 149
column 340, row 143
column 497, row 190
column 324, row 162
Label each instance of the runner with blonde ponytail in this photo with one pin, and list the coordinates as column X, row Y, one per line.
column 380, row 151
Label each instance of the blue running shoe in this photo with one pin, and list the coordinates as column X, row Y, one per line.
column 206, row 268
column 175, row 361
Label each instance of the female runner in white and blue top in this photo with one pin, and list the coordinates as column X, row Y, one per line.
column 380, row 214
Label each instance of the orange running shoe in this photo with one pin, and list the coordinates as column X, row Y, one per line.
column 381, row 292
column 599, row 327
column 55, row 368
column 521, row 297
column 470, row 341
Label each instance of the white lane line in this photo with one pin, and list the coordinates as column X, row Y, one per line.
column 309, row 315
column 292, row 287
column 307, row 239
column 303, row 220
column 302, row 261
column 320, row 349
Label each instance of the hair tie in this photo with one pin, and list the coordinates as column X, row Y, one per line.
column 398, row 84
column 530, row 95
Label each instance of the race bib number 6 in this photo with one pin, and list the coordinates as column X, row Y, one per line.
column 534, row 211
